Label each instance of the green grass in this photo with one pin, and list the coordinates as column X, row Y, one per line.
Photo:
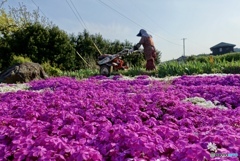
column 228, row 63
column 82, row 73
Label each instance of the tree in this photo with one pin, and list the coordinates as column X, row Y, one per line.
column 7, row 24
column 22, row 17
column 85, row 44
column 61, row 49
column 2, row 3
column 19, row 17
column 159, row 56
column 28, row 34
column 88, row 46
column 42, row 44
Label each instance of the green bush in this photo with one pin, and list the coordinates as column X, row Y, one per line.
column 202, row 59
column 229, row 57
column 81, row 73
column 232, row 70
column 52, row 71
column 19, row 59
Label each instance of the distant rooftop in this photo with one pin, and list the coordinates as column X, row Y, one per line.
column 222, row 44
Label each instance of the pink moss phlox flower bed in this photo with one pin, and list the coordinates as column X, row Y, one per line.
column 114, row 119
column 224, row 89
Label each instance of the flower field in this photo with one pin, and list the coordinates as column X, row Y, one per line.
column 142, row 119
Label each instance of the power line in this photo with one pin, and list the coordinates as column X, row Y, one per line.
column 38, row 8
column 119, row 13
column 72, row 47
column 75, row 14
column 153, row 21
column 82, row 23
column 135, row 22
column 148, row 17
column 167, row 40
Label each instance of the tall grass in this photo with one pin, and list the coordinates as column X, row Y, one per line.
column 81, row 73
column 228, row 63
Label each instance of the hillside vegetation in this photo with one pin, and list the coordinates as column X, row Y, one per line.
column 227, row 63
column 29, row 36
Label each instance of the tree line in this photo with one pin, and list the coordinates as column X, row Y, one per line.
column 29, row 35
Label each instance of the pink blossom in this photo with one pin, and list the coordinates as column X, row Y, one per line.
column 104, row 119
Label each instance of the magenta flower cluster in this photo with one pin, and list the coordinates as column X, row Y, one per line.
column 102, row 119
column 224, row 89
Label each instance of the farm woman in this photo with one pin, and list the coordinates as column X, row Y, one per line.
column 149, row 50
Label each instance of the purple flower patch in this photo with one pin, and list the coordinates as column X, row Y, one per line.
column 102, row 119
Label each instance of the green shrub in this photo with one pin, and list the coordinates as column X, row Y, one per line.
column 81, row 73
column 52, row 71
column 191, row 58
column 202, row 59
column 19, row 59
column 232, row 67
column 229, row 57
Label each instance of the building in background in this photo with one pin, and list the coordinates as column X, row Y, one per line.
column 222, row 48
column 236, row 49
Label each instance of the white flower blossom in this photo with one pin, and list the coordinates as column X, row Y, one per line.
column 204, row 103
column 12, row 87
column 212, row 147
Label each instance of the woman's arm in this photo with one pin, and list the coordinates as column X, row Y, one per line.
column 137, row 46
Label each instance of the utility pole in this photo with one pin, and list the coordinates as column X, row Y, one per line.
column 184, row 46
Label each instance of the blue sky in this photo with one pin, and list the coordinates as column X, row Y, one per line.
column 204, row 23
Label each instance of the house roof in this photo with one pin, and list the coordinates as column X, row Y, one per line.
column 222, row 44
column 181, row 58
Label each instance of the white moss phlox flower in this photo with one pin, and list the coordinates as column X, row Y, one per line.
column 204, row 103
column 212, row 147
column 13, row 87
